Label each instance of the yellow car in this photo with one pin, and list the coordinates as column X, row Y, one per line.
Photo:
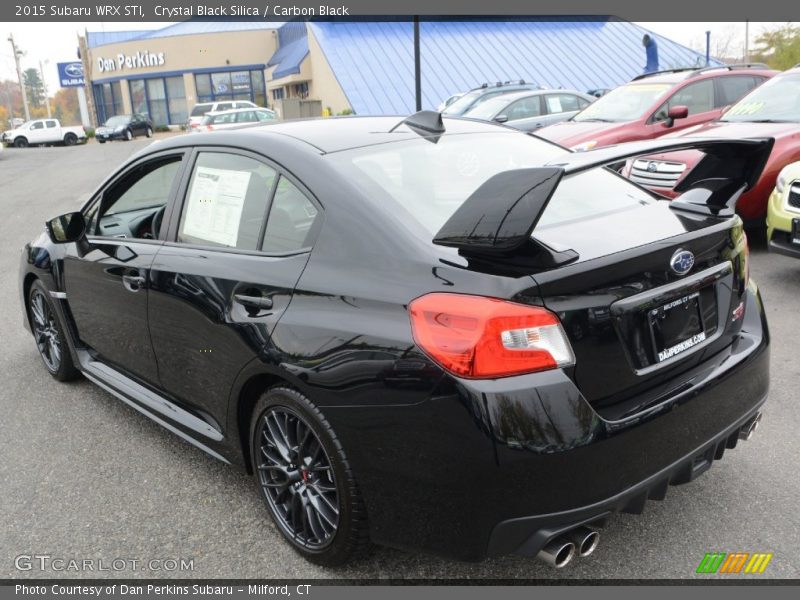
column 783, row 212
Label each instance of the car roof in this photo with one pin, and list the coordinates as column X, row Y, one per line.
column 237, row 110
column 679, row 76
column 333, row 134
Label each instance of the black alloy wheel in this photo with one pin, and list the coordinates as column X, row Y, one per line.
column 305, row 479
column 20, row 142
column 48, row 335
column 70, row 139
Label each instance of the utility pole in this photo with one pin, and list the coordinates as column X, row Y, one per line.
column 747, row 41
column 44, row 88
column 17, row 54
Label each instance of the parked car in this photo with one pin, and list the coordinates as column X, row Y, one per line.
column 43, row 131
column 124, row 127
column 226, row 119
column 202, row 108
column 450, row 99
column 783, row 212
column 530, row 110
column 657, row 104
column 770, row 111
column 264, row 279
column 485, row 92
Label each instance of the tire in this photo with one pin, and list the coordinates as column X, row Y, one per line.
column 128, row 135
column 303, row 475
column 70, row 139
column 149, row 132
column 20, row 142
column 48, row 334
column 101, row 141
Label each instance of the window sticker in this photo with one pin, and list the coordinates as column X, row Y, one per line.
column 214, row 207
column 554, row 104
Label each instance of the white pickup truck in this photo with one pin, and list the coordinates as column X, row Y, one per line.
column 43, row 131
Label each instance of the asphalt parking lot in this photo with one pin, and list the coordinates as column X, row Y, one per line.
column 84, row 476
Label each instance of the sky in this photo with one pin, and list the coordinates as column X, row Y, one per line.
column 57, row 42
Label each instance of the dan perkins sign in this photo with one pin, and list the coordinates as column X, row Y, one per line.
column 140, row 60
column 70, row 74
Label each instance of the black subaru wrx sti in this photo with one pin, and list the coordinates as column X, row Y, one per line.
column 437, row 335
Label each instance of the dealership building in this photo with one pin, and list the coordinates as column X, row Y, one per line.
column 335, row 67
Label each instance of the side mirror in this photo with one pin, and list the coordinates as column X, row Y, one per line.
column 678, row 112
column 67, row 228
column 501, row 119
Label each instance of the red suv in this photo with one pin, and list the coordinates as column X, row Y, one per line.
column 655, row 104
column 771, row 111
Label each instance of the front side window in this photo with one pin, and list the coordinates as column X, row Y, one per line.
column 133, row 207
column 698, row 97
column 523, row 109
column 226, row 201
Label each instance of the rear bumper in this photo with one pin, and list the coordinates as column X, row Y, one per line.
column 494, row 467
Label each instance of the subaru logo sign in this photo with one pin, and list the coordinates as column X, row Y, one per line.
column 681, row 262
column 652, row 167
column 71, row 74
column 74, row 69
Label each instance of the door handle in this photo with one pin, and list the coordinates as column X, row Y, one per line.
column 254, row 302
column 133, row 283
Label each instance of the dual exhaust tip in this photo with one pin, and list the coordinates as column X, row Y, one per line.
column 582, row 541
column 749, row 429
column 578, row 542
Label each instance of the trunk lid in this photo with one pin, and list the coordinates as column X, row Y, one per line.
column 635, row 324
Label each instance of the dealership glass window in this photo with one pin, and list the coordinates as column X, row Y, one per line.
column 108, row 100
column 176, row 99
column 301, row 89
column 259, row 91
column 231, row 85
column 157, row 99
column 163, row 100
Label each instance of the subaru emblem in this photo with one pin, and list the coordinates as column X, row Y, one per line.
column 681, row 262
column 652, row 167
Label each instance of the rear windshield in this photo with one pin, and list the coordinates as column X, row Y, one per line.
column 200, row 109
column 431, row 181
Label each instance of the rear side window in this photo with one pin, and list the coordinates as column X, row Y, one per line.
column 291, row 220
column 226, row 202
column 558, row 103
column 37, row 125
column 246, row 116
column 732, row 89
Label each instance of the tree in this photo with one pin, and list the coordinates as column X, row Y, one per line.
column 779, row 48
column 34, row 87
column 65, row 106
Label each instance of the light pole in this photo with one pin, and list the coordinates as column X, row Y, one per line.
column 17, row 54
column 44, row 87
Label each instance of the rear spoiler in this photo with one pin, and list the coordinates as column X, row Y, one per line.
column 497, row 220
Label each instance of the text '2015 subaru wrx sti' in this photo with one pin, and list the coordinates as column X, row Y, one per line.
column 433, row 334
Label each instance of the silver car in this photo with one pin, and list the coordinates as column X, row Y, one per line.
column 530, row 110
column 226, row 119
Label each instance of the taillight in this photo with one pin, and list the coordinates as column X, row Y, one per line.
column 209, row 128
column 484, row 338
